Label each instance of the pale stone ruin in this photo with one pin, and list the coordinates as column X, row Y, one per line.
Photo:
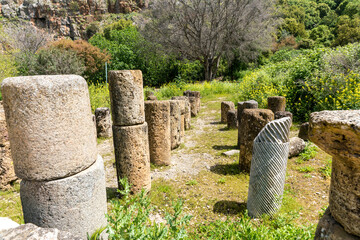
column 151, row 96
column 186, row 110
column 252, row 121
column 251, row 104
column 53, row 145
column 303, row 132
column 268, row 168
column 338, row 134
column 283, row 114
column 130, row 131
column 157, row 115
column 195, row 102
column 297, row 146
column 175, row 123
column 277, row 104
column 232, row 121
column 103, row 122
column 225, row 107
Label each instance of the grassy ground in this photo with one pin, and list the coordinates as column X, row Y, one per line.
column 217, row 191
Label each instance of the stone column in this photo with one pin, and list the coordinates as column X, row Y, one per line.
column 225, row 107
column 232, row 121
column 103, row 122
column 175, row 123
column 194, row 98
column 338, row 134
column 186, row 110
column 268, row 168
column 277, row 104
column 252, row 121
column 129, row 128
column 53, row 144
column 157, row 115
column 251, row 104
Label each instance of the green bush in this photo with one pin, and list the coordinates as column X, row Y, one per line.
column 99, row 96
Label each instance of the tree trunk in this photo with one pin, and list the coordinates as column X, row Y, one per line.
column 208, row 67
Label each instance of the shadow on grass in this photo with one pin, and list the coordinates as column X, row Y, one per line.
column 226, row 169
column 224, row 129
column 229, row 207
column 112, row 193
column 224, row 147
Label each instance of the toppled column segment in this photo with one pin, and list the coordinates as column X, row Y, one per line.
column 103, row 122
column 268, row 168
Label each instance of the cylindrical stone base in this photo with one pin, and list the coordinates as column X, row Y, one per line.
column 225, row 107
column 193, row 106
column 277, row 104
column 344, row 197
column 252, row 121
column 51, row 129
column 251, row 104
column 132, row 155
column 76, row 204
column 187, row 110
column 103, row 122
column 175, row 123
column 127, row 97
column 232, row 121
column 157, row 114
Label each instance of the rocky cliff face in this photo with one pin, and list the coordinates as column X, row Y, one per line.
column 67, row 18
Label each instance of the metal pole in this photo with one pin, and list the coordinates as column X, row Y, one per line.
column 106, row 77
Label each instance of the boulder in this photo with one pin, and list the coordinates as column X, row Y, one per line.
column 297, row 146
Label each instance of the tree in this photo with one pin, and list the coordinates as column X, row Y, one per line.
column 207, row 30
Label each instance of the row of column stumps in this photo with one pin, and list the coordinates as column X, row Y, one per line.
column 53, row 145
column 130, row 131
column 338, row 134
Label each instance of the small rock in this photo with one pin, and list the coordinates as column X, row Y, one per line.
column 297, row 145
column 231, row 153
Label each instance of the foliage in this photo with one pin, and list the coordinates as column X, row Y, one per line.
column 99, row 96
column 306, row 169
column 281, row 227
column 49, row 61
column 308, row 153
column 129, row 50
column 129, row 218
column 93, row 58
column 201, row 30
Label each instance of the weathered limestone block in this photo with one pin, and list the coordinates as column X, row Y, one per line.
column 232, row 121
column 182, row 102
column 193, row 106
column 197, row 100
column 329, row 229
column 268, row 168
column 225, row 107
column 297, row 146
column 158, row 119
column 277, row 104
column 32, row 232
column 175, row 123
column 251, row 104
column 7, row 223
column 283, row 114
column 187, row 110
column 76, row 204
column 50, row 125
column 127, row 97
column 151, row 98
column 103, row 122
column 132, row 155
column 304, row 131
column 338, row 133
column 252, row 121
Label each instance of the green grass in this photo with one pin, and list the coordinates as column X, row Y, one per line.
column 309, row 152
column 192, row 183
column 306, row 169
column 326, row 170
column 10, row 204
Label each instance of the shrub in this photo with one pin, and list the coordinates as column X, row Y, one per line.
column 93, row 58
column 99, row 96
